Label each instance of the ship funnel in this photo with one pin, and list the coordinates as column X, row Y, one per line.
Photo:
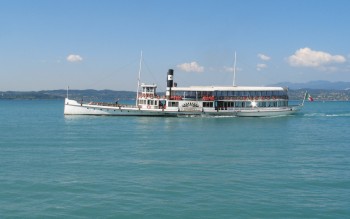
column 170, row 83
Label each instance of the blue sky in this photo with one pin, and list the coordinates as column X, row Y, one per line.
column 85, row 44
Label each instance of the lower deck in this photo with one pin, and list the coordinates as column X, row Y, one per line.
column 178, row 108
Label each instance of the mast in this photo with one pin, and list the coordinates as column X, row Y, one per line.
column 234, row 71
column 67, row 91
column 138, row 80
column 302, row 104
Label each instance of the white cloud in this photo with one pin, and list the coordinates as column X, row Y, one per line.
column 261, row 66
column 306, row 57
column 74, row 58
column 228, row 69
column 264, row 57
column 191, row 67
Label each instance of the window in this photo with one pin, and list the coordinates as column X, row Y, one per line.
column 262, row 104
column 283, row 103
column 272, row 104
column 208, row 104
column 173, row 104
column 239, row 104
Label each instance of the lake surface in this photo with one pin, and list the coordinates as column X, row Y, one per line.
column 59, row 166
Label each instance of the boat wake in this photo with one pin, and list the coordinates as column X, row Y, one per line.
column 209, row 116
column 277, row 116
column 327, row 115
column 205, row 116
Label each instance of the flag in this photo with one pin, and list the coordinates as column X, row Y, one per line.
column 309, row 97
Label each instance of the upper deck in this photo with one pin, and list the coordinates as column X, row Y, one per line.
column 228, row 88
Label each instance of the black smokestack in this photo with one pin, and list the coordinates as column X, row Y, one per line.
column 170, row 83
column 170, row 78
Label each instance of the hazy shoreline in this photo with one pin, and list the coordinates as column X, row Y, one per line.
column 111, row 95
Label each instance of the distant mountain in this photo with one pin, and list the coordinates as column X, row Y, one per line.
column 324, row 85
column 87, row 95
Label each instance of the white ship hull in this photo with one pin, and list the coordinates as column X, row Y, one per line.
column 73, row 107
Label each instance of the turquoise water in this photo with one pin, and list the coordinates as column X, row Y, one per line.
column 137, row 167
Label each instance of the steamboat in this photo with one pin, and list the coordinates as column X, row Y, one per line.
column 239, row 101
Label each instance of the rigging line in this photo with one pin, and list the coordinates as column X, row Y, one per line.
column 149, row 71
column 234, row 71
column 138, row 80
column 112, row 74
column 226, row 75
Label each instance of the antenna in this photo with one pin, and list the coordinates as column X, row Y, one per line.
column 234, row 71
column 138, row 80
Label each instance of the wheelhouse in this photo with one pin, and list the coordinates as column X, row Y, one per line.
column 149, row 99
